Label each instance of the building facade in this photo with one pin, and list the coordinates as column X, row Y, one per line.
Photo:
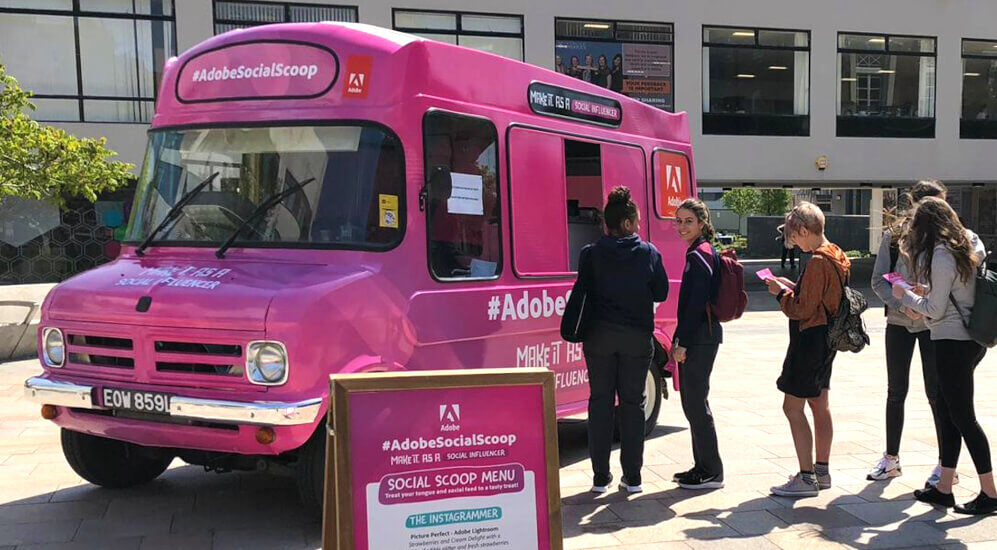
column 849, row 95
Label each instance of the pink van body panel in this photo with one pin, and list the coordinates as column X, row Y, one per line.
column 359, row 311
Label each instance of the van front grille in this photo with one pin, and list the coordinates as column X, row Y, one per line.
column 102, row 360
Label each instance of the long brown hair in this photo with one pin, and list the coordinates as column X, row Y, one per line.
column 899, row 217
column 702, row 213
column 935, row 223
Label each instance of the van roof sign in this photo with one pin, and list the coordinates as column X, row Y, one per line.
column 549, row 100
column 258, row 69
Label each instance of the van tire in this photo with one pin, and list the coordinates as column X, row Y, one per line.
column 111, row 463
column 654, row 400
column 651, row 419
column 310, row 472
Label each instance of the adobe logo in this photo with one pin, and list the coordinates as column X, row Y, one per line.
column 450, row 413
column 673, row 178
column 357, row 76
column 674, row 185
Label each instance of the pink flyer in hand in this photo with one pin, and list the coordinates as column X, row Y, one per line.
column 897, row 279
column 765, row 274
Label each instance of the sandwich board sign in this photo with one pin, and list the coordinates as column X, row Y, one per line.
column 443, row 460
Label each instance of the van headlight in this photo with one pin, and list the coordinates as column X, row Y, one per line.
column 53, row 347
column 266, row 363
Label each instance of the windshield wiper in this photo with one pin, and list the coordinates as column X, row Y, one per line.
column 261, row 210
column 174, row 213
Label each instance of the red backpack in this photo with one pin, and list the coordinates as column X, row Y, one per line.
column 731, row 299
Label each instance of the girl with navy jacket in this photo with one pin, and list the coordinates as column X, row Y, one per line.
column 696, row 342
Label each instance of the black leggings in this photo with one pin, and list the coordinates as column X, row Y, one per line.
column 956, row 360
column 899, row 352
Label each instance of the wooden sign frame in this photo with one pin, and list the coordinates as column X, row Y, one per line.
column 339, row 499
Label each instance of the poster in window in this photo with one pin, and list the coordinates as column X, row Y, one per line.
column 640, row 71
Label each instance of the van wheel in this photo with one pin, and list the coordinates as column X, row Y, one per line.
column 652, row 392
column 111, row 463
column 652, row 407
column 310, row 472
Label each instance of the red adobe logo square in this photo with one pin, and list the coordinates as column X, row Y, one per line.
column 357, row 76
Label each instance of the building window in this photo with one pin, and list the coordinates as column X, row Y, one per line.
column 631, row 58
column 240, row 15
column 461, row 197
column 887, row 86
column 979, row 90
column 756, row 81
column 492, row 33
column 88, row 60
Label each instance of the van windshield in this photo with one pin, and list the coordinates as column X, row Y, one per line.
column 356, row 200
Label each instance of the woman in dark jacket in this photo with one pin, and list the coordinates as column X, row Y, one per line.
column 696, row 342
column 623, row 277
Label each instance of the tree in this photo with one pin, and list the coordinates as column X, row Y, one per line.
column 46, row 163
column 742, row 201
column 773, row 202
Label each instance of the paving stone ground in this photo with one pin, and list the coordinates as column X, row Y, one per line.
column 44, row 505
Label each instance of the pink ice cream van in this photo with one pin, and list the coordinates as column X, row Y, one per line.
column 339, row 198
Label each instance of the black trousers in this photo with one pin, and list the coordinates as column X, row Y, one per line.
column 899, row 352
column 956, row 360
column 617, row 360
column 694, row 375
column 791, row 254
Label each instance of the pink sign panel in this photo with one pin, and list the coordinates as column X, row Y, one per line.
column 449, row 468
column 270, row 69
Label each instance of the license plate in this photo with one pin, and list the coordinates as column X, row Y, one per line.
column 138, row 401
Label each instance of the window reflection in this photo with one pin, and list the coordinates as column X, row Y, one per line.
column 886, row 86
column 979, row 90
column 756, row 81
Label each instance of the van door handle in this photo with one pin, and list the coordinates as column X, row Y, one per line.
column 423, row 198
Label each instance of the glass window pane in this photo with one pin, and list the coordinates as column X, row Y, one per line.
column 448, row 38
column 909, row 44
column 225, row 27
column 979, row 47
column 755, row 81
column 979, row 100
column 463, row 212
column 425, row 20
column 644, row 32
column 715, row 35
column 789, row 39
column 491, row 23
column 143, row 7
column 507, row 47
column 117, row 111
column 309, row 14
column 861, row 42
column 577, row 28
column 880, row 85
column 244, row 11
column 111, row 64
column 55, row 110
column 38, row 4
column 40, row 51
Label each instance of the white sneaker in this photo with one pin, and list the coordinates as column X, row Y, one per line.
column 601, row 486
column 632, row 489
column 887, row 467
column 799, row 485
column 936, row 476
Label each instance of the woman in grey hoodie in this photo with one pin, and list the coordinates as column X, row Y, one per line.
column 904, row 329
column 945, row 255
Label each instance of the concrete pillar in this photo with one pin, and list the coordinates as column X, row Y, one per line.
column 875, row 219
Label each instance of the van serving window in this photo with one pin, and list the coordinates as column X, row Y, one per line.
column 461, row 197
column 564, row 103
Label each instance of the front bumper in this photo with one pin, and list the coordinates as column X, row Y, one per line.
column 270, row 413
